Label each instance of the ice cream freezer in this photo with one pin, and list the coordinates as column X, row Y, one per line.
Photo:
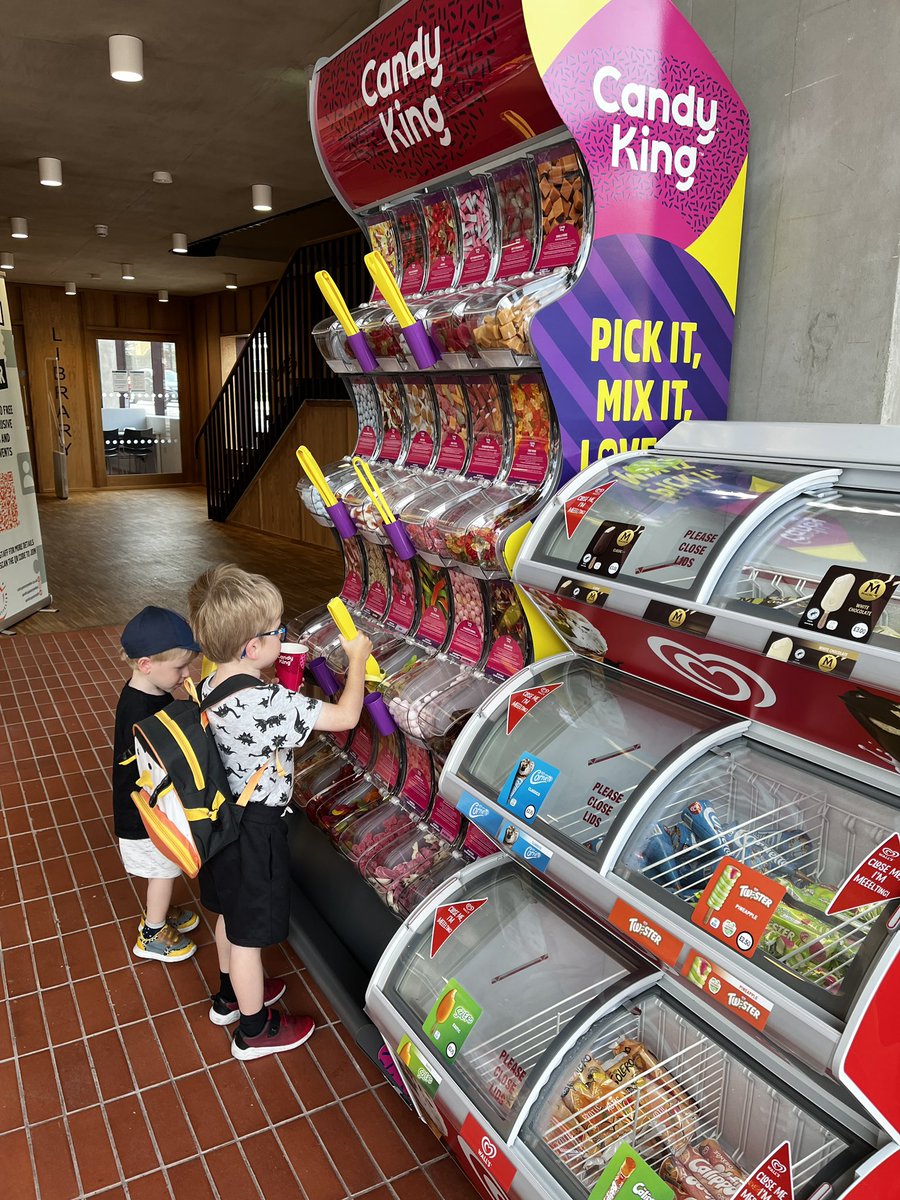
column 556, row 1062
column 773, row 548
column 756, row 867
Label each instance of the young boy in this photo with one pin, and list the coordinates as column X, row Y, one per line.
column 159, row 647
column 238, row 621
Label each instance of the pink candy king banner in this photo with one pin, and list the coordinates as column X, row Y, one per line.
column 643, row 339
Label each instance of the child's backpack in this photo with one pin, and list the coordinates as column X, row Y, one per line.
column 183, row 795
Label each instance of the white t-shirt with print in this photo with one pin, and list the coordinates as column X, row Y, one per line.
column 253, row 725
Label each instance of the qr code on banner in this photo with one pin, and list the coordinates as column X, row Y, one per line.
column 9, row 509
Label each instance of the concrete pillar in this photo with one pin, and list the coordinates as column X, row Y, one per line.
column 818, row 325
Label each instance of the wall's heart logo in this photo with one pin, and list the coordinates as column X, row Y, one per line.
column 714, row 673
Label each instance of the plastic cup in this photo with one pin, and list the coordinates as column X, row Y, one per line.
column 289, row 665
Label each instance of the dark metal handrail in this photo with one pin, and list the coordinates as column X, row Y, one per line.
column 277, row 371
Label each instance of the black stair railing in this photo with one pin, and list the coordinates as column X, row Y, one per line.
column 277, row 371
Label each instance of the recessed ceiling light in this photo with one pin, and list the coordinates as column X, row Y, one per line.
column 230, row 282
column 127, row 271
column 162, row 296
column 50, row 171
column 262, row 197
column 71, row 289
column 7, row 260
column 126, row 58
column 18, row 227
column 179, row 243
column 101, row 230
column 162, row 177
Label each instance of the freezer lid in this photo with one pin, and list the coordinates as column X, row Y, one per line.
column 660, row 522
column 495, row 975
column 752, row 848
column 824, row 566
column 869, row 445
column 569, row 742
column 652, row 1077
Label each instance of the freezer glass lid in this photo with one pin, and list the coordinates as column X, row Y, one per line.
column 748, row 844
column 660, row 520
column 648, row 1076
column 604, row 735
column 512, row 976
column 830, row 565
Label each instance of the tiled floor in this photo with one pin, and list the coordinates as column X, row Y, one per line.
column 97, row 1047
column 109, row 553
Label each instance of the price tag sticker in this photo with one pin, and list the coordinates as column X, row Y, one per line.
column 609, row 547
column 848, row 602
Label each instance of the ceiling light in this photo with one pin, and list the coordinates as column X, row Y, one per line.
column 127, row 271
column 50, row 171
column 101, row 230
column 262, row 197
column 162, row 177
column 126, row 58
column 230, row 282
column 18, row 227
column 162, row 296
column 71, row 289
column 179, row 243
column 7, row 261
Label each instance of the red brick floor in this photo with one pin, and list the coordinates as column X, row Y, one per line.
column 113, row 1082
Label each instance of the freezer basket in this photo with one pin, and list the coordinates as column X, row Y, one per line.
column 649, row 1077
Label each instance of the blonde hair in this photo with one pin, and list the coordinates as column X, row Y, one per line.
column 230, row 607
column 163, row 656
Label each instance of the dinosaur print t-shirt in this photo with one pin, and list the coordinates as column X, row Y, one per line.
column 254, row 725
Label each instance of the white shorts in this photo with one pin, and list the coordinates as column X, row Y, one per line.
column 142, row 858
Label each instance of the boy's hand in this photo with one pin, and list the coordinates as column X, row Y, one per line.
column 357, row 649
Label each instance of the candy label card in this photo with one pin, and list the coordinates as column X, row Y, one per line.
column 452, row 1019
column 737, row 905
column 848, row 602
column 527, row 787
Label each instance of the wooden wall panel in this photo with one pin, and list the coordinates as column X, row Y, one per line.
column 271, row 504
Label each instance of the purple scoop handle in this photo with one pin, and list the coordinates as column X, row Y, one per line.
column 400, row 540
column 343, row 522
column 363, row 351
column 424, row 351
column 322, row 674
column 378, row 711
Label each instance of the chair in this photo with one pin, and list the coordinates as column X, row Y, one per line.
column 110, row 446
column 138, row 443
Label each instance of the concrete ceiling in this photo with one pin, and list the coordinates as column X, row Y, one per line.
column 223, row 105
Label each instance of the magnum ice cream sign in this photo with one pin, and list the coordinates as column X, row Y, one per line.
column 643, row 340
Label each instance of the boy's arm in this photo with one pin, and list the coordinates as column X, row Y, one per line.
column 334, row 718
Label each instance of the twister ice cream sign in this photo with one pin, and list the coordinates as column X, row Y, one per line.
column 643, row 340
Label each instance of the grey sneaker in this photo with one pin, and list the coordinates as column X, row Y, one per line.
column 167, row 944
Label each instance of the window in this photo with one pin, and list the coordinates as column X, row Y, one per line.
column 139, row 406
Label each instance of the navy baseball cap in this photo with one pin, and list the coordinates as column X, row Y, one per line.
column 155, row 630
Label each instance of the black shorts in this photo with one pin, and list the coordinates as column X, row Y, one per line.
column 249, row 882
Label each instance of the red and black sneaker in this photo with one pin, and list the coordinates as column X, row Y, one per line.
column 226, row 1012
column 282, row 1032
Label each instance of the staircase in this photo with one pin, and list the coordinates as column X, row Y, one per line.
column 277, row 371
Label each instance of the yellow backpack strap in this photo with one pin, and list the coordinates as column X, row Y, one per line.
column 191, row 688
column 126, row 761
column 250, row 786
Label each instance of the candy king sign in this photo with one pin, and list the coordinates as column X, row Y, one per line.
column 643, row 339
column 384, row 84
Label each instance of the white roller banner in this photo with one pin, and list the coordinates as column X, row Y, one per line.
column 23, row 576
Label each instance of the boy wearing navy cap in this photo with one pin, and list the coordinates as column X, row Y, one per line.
column 159, row 647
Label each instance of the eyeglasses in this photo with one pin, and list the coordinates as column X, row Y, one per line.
column 280, row 633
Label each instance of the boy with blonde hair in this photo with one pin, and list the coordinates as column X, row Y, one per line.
column 238, row 621
column 159, row 648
